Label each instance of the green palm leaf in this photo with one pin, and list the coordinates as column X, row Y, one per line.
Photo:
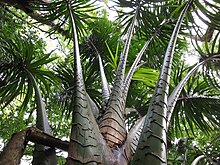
column 195, row 106
column 58, row 12
column 18, row 80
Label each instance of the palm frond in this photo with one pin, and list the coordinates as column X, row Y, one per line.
column 18, row 59
column 196, row 93
column 56, row 15
column 18, row 69
column 195, row 112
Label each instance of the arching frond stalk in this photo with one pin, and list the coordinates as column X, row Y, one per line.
column 152, row 144
column 135, row 66
column 176, row 92
column 42, row 154
column 105, row 87
column 86, row 142
column 42, row 120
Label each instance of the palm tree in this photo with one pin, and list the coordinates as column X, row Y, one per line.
column 21, row 67
column 100, row 136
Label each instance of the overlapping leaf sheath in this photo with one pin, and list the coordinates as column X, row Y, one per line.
column 134, row 136
column 112, row 125
column 95, row 109
column 86, row 142
column 87, row 145
column 152, row 143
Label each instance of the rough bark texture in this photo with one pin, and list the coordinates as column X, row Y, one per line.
column 14, row 150
column 37, row 136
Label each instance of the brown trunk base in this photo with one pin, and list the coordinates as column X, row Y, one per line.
column 14, row 150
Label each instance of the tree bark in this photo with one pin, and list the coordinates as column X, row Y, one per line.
column 14, row 150
column 37, row 136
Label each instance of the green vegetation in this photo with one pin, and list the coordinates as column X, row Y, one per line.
column 120, row 91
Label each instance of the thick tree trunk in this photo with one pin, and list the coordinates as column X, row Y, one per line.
column 14, row 150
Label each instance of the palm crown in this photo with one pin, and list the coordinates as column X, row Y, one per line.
column 150, row 38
